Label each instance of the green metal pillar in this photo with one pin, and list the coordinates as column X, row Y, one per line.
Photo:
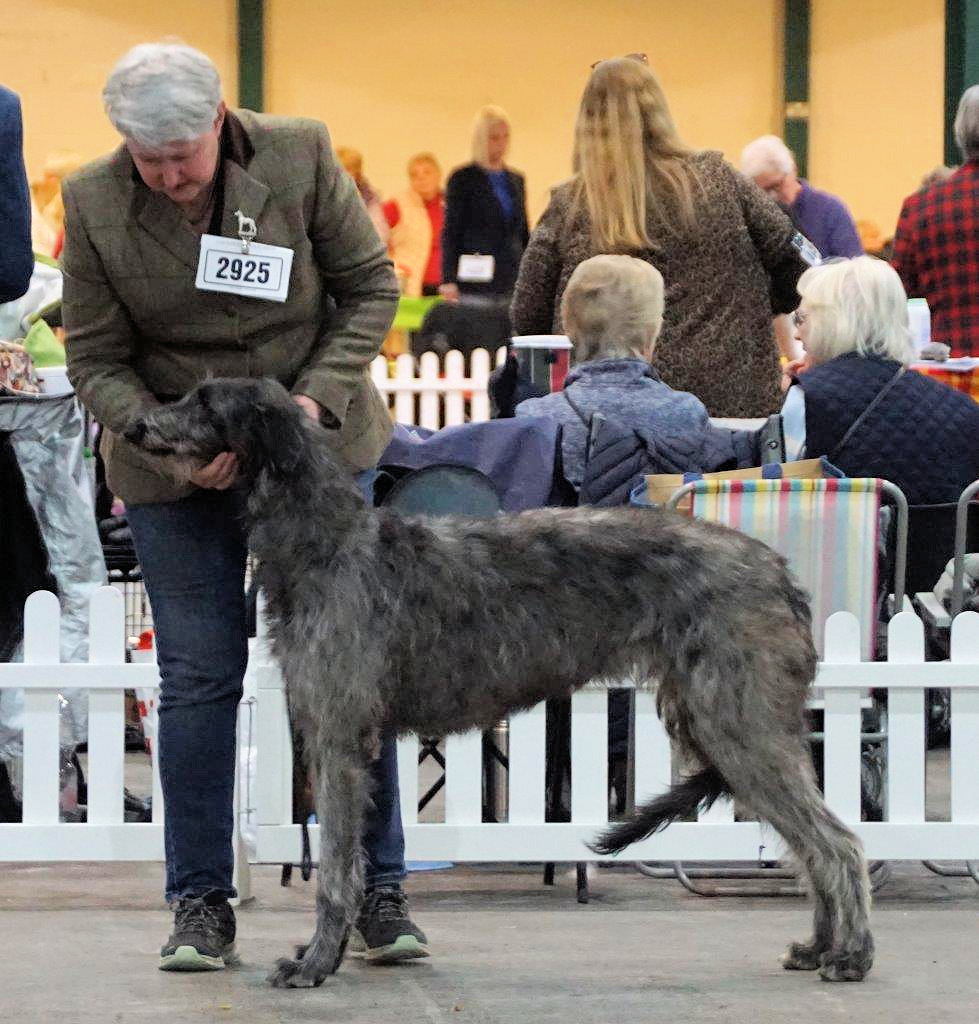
column 796, row 82
column 961, row 63
column 251, row 54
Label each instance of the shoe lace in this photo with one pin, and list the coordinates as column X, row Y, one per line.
column 389, row 904
column 196, row 914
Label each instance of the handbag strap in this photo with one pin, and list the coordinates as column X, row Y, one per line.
column 878, row 398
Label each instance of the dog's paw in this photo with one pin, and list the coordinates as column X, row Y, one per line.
column 848, row 965
column 296, row 974
column 802, row 956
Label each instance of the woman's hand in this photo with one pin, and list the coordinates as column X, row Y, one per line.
column 449, row 291
column 217, row 475
column 792, row 369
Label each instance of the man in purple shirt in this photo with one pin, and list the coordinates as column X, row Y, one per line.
column 821, row 217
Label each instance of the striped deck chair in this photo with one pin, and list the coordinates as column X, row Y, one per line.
column 827, row 529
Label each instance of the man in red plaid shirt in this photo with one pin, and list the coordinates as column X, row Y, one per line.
column 936, row 246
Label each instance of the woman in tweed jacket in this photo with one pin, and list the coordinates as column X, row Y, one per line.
column 723, row 247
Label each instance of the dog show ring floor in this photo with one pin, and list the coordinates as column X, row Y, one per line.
column 80, row 942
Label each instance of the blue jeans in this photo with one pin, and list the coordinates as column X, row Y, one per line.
column 192, row 554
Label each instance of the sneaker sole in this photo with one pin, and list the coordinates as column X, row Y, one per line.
column 187, row 958
column 405, row 947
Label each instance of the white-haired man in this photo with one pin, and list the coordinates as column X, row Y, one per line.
column 823, row 218
column 224, row 243
column 936, row 245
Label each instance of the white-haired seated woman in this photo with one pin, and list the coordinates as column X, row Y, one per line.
column 612, row 310
column 854, row 399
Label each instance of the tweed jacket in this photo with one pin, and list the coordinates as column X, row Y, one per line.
column 475, row 223
column 139, row 332
column 724, row 279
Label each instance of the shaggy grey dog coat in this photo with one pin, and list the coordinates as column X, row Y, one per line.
column 381, row 623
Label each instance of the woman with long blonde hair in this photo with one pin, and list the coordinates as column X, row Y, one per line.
column 723, row 247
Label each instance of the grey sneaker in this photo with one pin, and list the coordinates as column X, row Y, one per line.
column 384, row 933
column 203, row 937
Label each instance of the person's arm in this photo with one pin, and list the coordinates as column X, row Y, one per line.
column 903, row 259
column 453, row 226
column 534, row 294
column 358, row 276
column 100, row 336
column 16, row 254
column 844, row 238
column 771, row 232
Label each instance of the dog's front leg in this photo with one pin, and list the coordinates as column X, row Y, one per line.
column 341, row 794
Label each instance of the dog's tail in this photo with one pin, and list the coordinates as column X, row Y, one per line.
column 679, row 800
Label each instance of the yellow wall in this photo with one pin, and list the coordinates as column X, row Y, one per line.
column 876, row 101
column 57, row 56
column 391, row 77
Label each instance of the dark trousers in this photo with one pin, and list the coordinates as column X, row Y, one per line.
column 192, row 554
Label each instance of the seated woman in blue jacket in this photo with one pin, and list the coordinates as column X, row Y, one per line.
column 612, row 310
column 854, row 399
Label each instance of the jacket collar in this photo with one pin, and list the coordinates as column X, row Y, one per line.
column 611, row 371
column 162, row 219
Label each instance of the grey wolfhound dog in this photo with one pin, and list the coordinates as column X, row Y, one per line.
column 440, row 626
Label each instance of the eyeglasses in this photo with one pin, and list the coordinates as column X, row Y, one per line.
column 799, row 318
column 641, row 57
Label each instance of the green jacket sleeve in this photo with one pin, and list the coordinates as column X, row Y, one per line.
column 358, row 276
column 98, row 331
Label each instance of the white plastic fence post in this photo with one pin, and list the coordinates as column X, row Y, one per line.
column 842, row 720
column 906, row 725
column 479, row 371
column 455, row 380
column 965, row 722
column 464, row 778
column 273, row 760
column 429, row 413
column 106, row 710
column 526, row 772
column 652, row 754
column 404, row 394
column 408, row 779
column 589, row 756
column 42, row 645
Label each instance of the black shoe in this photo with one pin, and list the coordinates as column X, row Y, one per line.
column 384, row 933
column 203, row 937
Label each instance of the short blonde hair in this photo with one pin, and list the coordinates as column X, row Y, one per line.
column 424, row 158
column 485, row 119
column 613, row 308
column 856, row 305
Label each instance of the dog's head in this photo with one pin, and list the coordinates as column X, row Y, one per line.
column 255, row 419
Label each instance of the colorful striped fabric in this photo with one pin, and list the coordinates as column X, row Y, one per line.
column 826, row 529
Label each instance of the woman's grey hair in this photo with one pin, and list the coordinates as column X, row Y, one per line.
column 856, row 305
column 162, row 92
column 967, row 123
column 766, row 155
column 486, row 117
column 613, row 308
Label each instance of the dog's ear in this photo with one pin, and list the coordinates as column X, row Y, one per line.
column 280, row 433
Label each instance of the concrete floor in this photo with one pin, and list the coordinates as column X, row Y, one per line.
column 78, row 946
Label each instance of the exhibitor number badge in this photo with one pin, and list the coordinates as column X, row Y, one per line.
column 260, row 272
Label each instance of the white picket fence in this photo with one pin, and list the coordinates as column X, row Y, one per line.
column 905, row 834
column 425, row 393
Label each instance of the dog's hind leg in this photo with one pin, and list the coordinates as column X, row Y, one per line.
column 341, row 800
column 773, row 776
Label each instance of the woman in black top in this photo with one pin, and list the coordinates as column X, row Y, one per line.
column 485, row 213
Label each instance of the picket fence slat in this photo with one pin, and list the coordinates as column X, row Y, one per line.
column 906, row 726
column 526, row 775
column 589, row 755
column 464, row 778
column 106, row 711
column 42, row 643
column 965, row 723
